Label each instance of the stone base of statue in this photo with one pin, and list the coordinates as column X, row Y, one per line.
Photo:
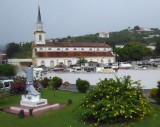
column 32, row 101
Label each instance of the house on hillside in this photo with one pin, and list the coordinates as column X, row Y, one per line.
column 2, row 58
column 103, row 35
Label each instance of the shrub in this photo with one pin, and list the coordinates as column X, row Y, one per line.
column 44, row 82
column 7, row 70
column 114, row 101
column 55, row 82
column 158, row 92
column 18, row 87
column 153, row 93
column 82, row 85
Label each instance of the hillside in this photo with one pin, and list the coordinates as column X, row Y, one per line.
column 147, row 37
column 120, row 37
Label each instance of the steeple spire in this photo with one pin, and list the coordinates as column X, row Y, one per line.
column 39, row 21
column 39, row 33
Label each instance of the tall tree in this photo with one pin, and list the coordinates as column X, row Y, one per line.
column 136, row 28
column 12, row 49
column 133, row 51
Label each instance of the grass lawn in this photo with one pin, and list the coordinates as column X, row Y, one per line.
column 63, row 117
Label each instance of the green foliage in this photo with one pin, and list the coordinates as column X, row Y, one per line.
column 82, row 85
column 45, row 82
column 55, row 82
column 7, row 70
column 64, row 117
column 3, row 93
column 157, row 49
column 136, row 28
column 81, row 61
column 158, row 93
column 133, row 52
column 153, row 93
column 14, row 50
column 114, row 101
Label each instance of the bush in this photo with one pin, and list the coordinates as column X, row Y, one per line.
column 114, row 101
column 7, row 70
column 44, row 82
column 55, row 82
column 82, row 85
column 153, row 93
column 158, row 92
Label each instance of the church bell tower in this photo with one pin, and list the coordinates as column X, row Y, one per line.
column 39, row 33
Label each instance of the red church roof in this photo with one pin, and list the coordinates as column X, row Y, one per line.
column 74, row 54
column 72, row 44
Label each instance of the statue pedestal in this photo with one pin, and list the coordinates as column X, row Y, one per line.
column 30, row 100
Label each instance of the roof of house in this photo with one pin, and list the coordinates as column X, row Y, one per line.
column 74, row 54
column 72, row 44
column 2, row 53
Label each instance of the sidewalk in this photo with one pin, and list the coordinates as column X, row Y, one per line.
column 71, row 87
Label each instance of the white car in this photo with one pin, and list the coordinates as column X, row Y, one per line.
column 6, row 84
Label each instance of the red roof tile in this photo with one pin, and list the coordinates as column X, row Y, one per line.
column 72, row 44
column 74, row 54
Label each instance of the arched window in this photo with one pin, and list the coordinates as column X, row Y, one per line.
column 42, row 63
column 40, row 37
column 82, row 48
column 109, row 61
column 51, row 63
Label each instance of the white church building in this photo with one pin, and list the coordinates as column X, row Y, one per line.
column 51, row 54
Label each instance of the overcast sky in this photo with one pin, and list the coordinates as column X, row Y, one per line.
column 74, row 17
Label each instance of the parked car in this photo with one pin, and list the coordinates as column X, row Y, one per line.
column 6, row 84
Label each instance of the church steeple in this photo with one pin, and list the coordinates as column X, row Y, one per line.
column 39, row 21
column 39, row 33
column 39, row 24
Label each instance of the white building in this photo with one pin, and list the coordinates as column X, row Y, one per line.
column 103, row 35
column 52, row 53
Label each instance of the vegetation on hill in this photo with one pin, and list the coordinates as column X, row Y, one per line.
column 15, row 50
column 121, row 37
column 151, row 37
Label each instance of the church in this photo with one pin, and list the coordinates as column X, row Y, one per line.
column 51, row 54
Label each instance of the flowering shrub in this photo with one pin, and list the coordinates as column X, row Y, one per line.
column 114, row 101
column 82, row 85
column 18, row 86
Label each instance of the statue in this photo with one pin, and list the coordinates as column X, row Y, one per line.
column 33, row 97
